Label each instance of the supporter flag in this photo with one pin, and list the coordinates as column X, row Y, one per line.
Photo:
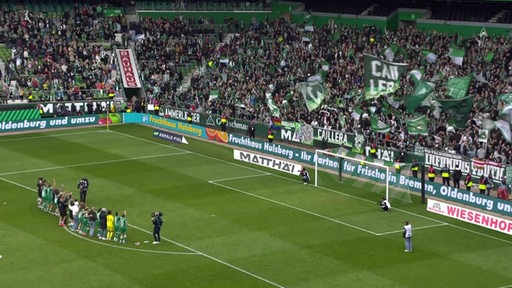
column 489, row 57
column 416, row 75
column 224, row 60
column 458, row 87
column 417, row 125
column 276, row 123
column 480, row 77
column 429, row 56
column 483, row 135
column 274, row 110
column 457, row 55
column 381, row 77
column 325, row 65
column 506, row 98
column 214, row 94
column 313, row 91
column 391, row 51
column 336, row 36
column 504, row 127
column 421, row 92
column 378, row 126
column 309, row 27
column 503, row 123
column 458, row 109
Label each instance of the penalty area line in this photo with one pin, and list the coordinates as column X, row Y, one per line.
column 296, row 208
column 239, row 177
column 415, row 228
column 214, row 259
column 129, row 248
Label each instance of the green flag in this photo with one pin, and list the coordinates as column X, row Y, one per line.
column 274, row 110
column 379, row 126
column 391, row 51
column 458, row 87
column 417, row 125
column 381, row 77
column 457, row 55
column 507, row 98
column 488, row 58
column 430, row 56
column 422, row 90
column 214, row 94
column 313, row 93
column 458, row 109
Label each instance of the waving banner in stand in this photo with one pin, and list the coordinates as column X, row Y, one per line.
column 381, row 77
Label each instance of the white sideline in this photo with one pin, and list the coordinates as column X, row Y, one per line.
column 179, row 244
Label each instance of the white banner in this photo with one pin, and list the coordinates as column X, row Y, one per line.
column 128, row 68
column 267, row 161
column 470, row 216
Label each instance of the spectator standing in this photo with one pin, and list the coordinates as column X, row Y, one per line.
column 415, row 168
column 445, row 174
column 456, row 175
column 92, row 216
column 468, row 182
column 103, row 224
column 431, row 173
column 489, row 183
column 482, row 184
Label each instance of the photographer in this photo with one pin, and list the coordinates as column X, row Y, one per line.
column 156, row 218
column 83, row 186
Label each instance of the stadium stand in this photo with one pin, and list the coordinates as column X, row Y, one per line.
column 248, row 62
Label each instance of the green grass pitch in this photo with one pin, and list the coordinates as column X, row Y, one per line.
column 226, row 223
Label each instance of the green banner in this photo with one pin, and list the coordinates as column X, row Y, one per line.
column 381, row 77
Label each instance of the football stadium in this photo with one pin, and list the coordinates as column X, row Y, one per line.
column 255, row 143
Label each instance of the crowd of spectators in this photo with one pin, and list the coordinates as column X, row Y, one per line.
column 166, row 45
column 59, row 57
column 265, row 59
column 271, row 57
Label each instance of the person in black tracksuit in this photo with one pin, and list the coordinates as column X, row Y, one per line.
column 456, row 175
column 156, row 218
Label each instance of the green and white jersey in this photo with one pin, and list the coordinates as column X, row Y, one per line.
column 122, row 224
column 117, row 221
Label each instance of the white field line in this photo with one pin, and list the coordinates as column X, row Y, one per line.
column 181, row 245
column 92, row 163
column 414, row 228
column 295, row 208
column 48, row 136
column 129, row 248
column 216, row 259
column 507, row 286
column 240, row 177
column 323, row 188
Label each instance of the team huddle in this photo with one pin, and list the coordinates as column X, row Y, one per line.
column 77, row 215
